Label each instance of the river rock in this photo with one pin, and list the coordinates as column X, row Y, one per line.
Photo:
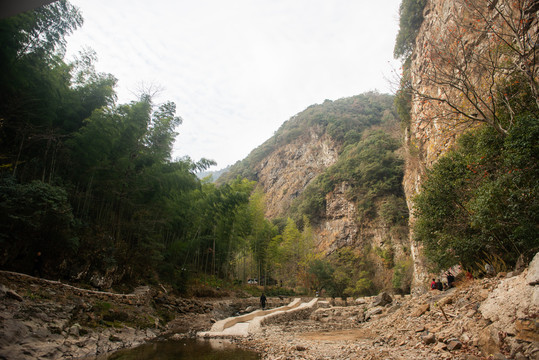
column 382, row 299
column 533, row 271
column 454, row 345
column 428, row 339
column 8, row 293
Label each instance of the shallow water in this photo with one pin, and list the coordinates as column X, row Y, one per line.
column 193, row 349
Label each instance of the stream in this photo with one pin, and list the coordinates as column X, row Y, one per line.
column 192, row 349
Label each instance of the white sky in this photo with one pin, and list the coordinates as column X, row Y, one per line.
column 237, row 69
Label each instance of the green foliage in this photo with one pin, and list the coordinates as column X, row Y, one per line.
column 290, row 253
column 410, row 20
column 402, row 276
column 322, row 274
column 343, row 273
column 371, row 169
column 481, row 199
column 403, row 97
column 41, row 102
column 386, row 254
column 344, row 120
column 394, row 211
column 34, row 217
column 353, row 274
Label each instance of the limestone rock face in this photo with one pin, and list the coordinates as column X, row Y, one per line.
column 286, row 172
column 435, row 127
column 533, row 272
column 339, row 228
column 426, row 139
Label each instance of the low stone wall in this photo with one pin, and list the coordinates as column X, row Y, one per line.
column 301, row 312
column 252, row 323
column 226, row 323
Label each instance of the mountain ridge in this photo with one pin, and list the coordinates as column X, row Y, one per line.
column 338, row 166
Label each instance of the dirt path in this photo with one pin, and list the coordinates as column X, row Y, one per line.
column 338, row 335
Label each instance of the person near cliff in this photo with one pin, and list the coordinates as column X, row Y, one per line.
column 439, row 285
column 433, row 284
column 37, row 270
column 450, row 280
column 263, row 301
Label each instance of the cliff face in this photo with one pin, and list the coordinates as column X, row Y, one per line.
column 285, row 172
column 464, row 51
column 315, row 166
column 428, row 136
column 340, row 228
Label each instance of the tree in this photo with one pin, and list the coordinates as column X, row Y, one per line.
column 481, row 199
column 321, row 272
column 464, row 79
column 41, row 102
column 34, row 217
column 410, row 19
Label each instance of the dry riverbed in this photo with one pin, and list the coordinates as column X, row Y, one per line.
column 492, row 318
column 484, row 319
column 46, row 319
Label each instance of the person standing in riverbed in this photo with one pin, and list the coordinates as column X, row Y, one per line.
column 37, row 270
column 263, row 301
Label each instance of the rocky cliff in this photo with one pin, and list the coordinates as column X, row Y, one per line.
column 315, row 166
column 463, row 55
column 287, row 171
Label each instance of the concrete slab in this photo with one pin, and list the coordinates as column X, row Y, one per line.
column 242, row 326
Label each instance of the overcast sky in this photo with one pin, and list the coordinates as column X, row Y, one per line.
column 237, row 69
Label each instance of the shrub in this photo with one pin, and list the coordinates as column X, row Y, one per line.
column 481, row 199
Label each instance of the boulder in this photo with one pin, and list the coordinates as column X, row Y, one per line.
column 533, row 271
column 8, row 293
column 527, row 330
column 454, row 345
column 420, row 310
column 382, row 299
column 487, row 341
column 428, row 339
column 74, row 330
column 440, row 346
column 360, row 301
column 374, row 311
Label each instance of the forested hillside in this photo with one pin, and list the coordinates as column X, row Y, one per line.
column 90, row 192
column 88, row 189
column 336, row 169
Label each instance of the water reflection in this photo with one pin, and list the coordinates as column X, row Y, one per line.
column 214, row 349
